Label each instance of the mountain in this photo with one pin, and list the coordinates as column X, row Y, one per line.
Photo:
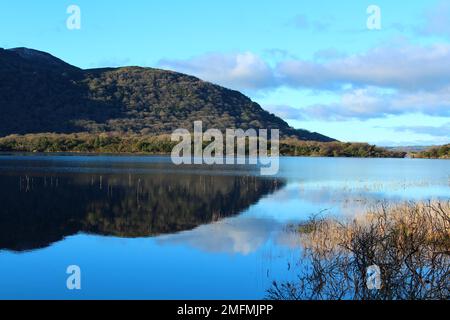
column 41, row 93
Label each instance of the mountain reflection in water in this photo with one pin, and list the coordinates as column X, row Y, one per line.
column 42, row 208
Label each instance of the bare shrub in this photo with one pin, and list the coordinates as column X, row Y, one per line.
column 410, row 243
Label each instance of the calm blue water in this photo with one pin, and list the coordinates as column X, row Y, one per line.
column 140, row 227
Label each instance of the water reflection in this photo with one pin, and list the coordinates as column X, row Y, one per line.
column 39, row 209
column 242, row 235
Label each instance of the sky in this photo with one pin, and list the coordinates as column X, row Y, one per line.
column 317, row 64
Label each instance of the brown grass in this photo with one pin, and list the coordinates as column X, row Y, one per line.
column 410, row 243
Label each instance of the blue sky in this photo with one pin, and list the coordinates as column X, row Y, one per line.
column 315, row 63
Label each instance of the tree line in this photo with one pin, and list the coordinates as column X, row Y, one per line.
column 162, row 144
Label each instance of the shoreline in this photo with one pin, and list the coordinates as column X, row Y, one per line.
column 144, row 154
column 162, row 145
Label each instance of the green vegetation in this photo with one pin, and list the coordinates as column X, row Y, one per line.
column 116, row 143
column 87, row 143
column 441, row 152
column 336, row 149
column 40, row 93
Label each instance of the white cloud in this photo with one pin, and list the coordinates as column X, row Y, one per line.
column 286, row 112
column 234, row 235
column 238, row 71
column 405, row 67
column 402, row 66
column 435, row 131
column 371, row 103
column 392, row 79
column 328, row 54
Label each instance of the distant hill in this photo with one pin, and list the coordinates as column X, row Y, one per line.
column 40, row 93
column 436, row 152
column 408, row 148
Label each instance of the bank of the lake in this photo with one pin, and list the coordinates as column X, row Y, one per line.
column 162, row 144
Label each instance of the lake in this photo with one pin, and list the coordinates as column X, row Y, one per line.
column 142, row 228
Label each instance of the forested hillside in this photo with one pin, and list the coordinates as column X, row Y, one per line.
column 43, row 94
